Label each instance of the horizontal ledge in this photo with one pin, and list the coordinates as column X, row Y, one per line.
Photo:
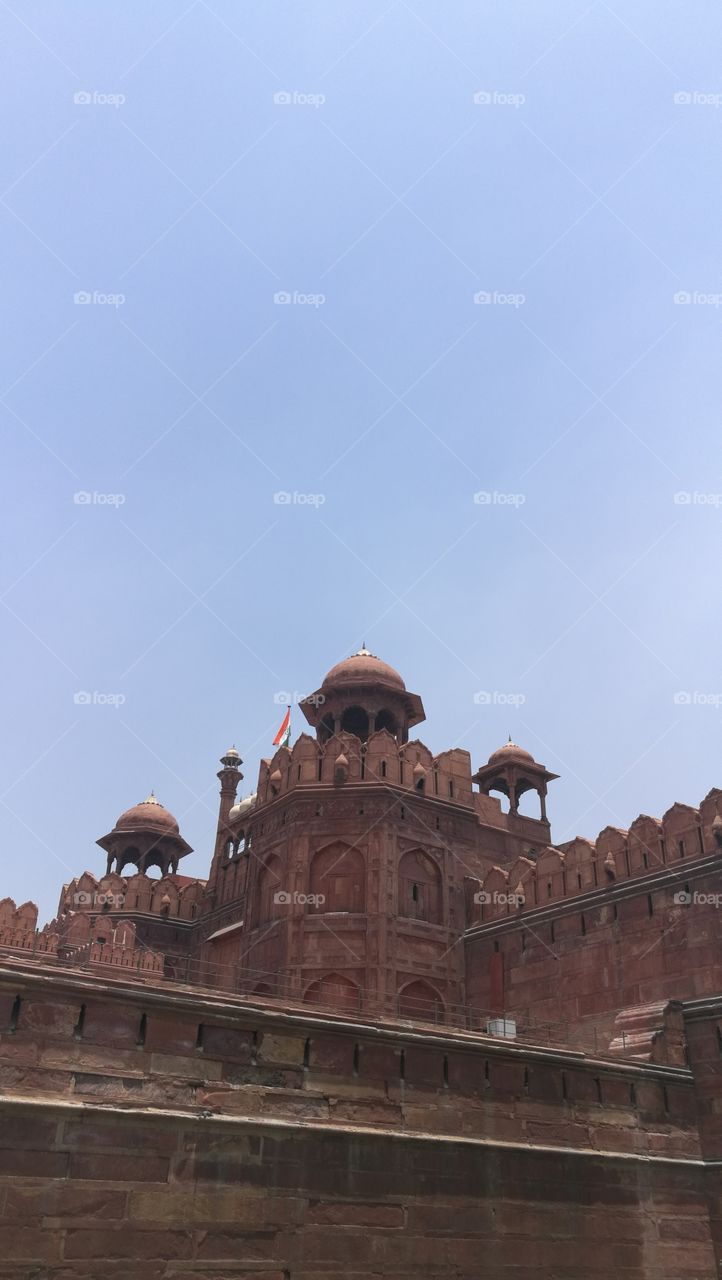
column 63, row 1105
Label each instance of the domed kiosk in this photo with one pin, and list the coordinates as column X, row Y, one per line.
column 146, row 835
column 513, row 771
column 361, row 695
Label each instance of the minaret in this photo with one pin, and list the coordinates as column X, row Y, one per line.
column 230, row 776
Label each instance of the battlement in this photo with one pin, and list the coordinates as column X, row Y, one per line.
column 172, row 897
column 580, row 866
column 345, row 758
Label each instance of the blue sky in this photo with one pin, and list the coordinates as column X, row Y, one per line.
column 151, row 167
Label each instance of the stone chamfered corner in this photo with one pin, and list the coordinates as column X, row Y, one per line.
column 396, row 1031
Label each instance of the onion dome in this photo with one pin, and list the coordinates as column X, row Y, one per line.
column 231, row 759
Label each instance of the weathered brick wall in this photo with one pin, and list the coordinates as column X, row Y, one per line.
column 578, row 963
column 159, row 1133
column 167, row 1196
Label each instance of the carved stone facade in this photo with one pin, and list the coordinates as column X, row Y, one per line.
column 397, row 1031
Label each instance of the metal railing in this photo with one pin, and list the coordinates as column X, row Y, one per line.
column 278, row 989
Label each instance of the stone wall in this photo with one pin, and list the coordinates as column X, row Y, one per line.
column 582, row 960
column 152, row 1132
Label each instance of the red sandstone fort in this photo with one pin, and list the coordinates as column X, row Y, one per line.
column 397, row 1032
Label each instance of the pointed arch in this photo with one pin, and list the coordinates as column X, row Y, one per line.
column 270, row 884
column 420, row 895
column 338, row 878
column 419, row 1000
column 334, row 991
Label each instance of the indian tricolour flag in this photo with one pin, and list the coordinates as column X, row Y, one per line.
column 284, row 733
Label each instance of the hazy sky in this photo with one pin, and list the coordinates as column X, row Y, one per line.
column 482, row 214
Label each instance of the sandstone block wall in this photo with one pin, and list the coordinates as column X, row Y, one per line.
column 155, row 1133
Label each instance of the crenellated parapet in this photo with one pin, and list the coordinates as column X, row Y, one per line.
column 17, row 924
column 381, row 760
column 557, row 873
column 170, row 897
column 78, row 935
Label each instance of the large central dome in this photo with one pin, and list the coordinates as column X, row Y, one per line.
column 149, row 813
column 363, row 668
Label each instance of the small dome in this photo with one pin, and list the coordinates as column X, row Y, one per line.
column 510, row 753
column 149, row 813
column 242, row 808
column 363, row 668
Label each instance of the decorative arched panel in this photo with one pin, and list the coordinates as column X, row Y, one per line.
column 647, row 851
column 270, row 885
column 338, row 879
column 382, row 757
column 522, row 880
column 420, row 896
column 495, row 894
column 682, row 833
column 334, row 991
column 550, row 876
column 613, row 854
column 580, row 866
column 420, row 1000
